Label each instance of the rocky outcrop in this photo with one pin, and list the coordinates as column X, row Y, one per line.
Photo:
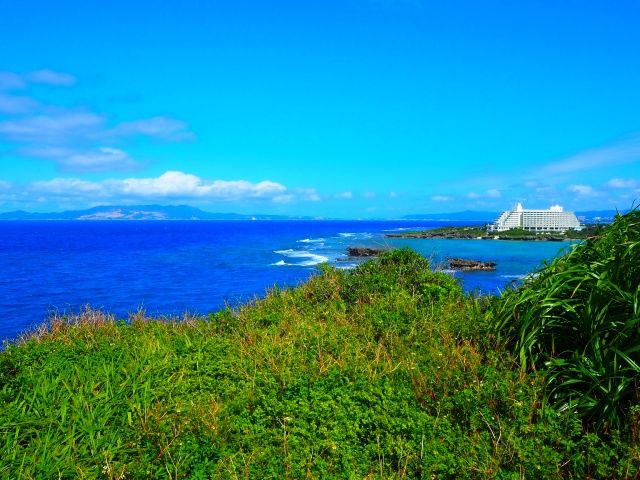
column 465, row 265
column 364, row 251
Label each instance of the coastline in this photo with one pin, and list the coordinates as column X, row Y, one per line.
column 478, row 233
column 484, row 237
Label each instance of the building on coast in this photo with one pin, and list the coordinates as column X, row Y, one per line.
column 555, row 219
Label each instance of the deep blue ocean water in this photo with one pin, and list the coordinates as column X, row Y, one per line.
column 168, row 268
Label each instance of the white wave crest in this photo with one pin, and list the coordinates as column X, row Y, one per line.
column 311, row 240
column 312, row 258
column 355, row 235
column 403, row 229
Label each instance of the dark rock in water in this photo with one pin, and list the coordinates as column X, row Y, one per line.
column 470, row 265
column 364, row 251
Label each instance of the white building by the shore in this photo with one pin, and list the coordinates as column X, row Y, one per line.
column 555, row 219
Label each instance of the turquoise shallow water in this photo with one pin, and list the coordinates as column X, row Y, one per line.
column 515, row 259
column 168, row 268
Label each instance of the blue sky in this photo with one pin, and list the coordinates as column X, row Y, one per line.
column 352, row 108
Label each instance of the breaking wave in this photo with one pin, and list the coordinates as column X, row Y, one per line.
column 310, row 259
column 311, row 240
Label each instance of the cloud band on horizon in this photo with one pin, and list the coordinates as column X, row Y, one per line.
column 172, row 185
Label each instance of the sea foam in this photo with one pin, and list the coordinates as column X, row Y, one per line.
column 311, row 240
column 312, row 258
column 359, row 235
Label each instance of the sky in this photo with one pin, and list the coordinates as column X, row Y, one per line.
column 350, row 108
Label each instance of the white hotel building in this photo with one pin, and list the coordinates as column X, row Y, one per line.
column 553, row 220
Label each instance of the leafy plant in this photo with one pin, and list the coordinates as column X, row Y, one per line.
column 578, row 319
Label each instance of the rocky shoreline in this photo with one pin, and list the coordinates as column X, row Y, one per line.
column 361, row 254
column 364, row 251
column 458, row 264
column 465, row 265
column 470, row 236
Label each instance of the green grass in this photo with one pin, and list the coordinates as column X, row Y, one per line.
column 386, row 371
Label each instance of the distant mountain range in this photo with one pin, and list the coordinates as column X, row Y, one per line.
column 185, row 212
column 138, row 212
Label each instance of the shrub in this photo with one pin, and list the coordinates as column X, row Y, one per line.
column 578, row 319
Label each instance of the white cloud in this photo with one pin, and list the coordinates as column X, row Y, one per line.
column 308, row 194
column 584, row 190
column 97, row 160
column 369, row 195
column 67, row 139
column 50, row 77
column 303, row 194
column 622, row 183
column 170, row 185
column 72, row 127
column 345, row 195
column 100, row 160
column 158, row 127
column 491, row 193
column 441, row 198
column 621, row 152
column 179, row 184
column 76, row 140
column 70, row 188
column 16, row 104
column 10, row 81
column 286, row 198
column 52, row 129
column 4, row 185
column 393, row 195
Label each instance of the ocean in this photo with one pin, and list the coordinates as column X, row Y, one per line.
column 169, row 268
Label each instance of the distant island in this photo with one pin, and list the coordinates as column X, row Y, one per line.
column 186, row 212
column 140, row 212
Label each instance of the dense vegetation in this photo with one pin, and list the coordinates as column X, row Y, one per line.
column 586, row 232
column 470, row 232
column 579, row 321
column 385, row 371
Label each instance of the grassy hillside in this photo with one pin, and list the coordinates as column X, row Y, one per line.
column 386, row 371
